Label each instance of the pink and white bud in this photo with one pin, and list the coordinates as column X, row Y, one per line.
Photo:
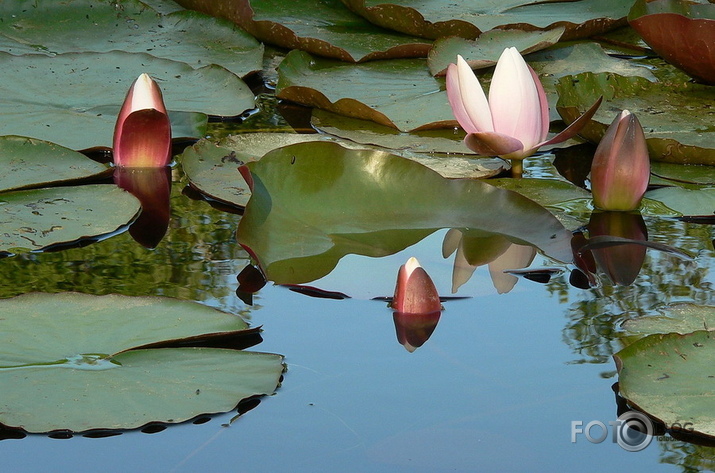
column 415, row 293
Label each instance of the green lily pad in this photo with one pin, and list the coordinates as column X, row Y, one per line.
column 326, row 28
column 391, row 203
column 127, row 25
column 76, row 103
column 670, row 377
column 39, row 218
column 690, row 177
column 485, row 50
column 58, row 371
column 676, row 117
column 27, row 162
column 399, row 93
column 679, row 318
column 467, row 18
column 685, row 201
column 212, row 167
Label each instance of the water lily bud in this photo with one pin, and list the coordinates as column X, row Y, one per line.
column 415, row 292
column 621, row 166
column 142, row 134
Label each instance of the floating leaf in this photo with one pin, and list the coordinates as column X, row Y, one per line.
column 485, row 50
column 326, row 28
column 670, row 377
column 676, row 117
column 467, row 18
column 58, row 371
column 399, row 93
column 130, row 26
column 297, row 238
column 77, row 101
column 685, row 201
column 679, row 318
column 681, row 32
column 37, row 219
column 27, row 162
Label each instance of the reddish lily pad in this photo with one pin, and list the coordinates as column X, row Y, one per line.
column 682, row 33
column 326, row 28
column 677, row 117
column 468, row 19
column 399, row 93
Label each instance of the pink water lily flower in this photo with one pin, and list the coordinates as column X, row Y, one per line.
column 620, row 170
column 415, row 293
column 514, row 122
column 142, row 134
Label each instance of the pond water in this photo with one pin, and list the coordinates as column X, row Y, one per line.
column 496, row 387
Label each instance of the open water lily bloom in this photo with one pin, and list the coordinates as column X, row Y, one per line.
column 514, row 122
column 142, row 134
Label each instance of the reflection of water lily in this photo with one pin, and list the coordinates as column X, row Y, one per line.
column 152, row 186
column 415, row 292
column 142, row 134
column 621, row 166
column 514, row 122
column 413, row 330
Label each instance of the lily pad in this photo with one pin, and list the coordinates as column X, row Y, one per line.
column 467, row 18
column 677, row 117
column 127, row 25
column 326, row 28
column 212, row 167
column 399, row 93
column 76, row 103
column 486, row 49
column 57, row 371
column 27, row 162
column 39, row 218
column 297, row 238
column 679, row 318
column 681, row 32
column 670, row 377
column 685, row 201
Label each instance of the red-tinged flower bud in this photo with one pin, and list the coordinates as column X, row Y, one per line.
column 415, row 292
column 142, row 134
column 621, row 166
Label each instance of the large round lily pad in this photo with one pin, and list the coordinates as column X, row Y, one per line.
column 70, row 361
column 670, row 377
column 128, row 25
column 391, row 203
column 677, row 117
column 75, row 104
column 400, row 93
column 39, row 218
column 467, row 18
column 326, row 28
column 27, row 162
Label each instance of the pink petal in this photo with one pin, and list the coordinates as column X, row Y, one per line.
column 493, row 144
column 467, row 99
column 415, row 292
column 515, row 101
column 144, row 140
column 575, row 126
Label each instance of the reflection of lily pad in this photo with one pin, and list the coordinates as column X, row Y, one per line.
column 326, row 28
column 76, row 102
column 59, row 371
column 399, row 93
column 677, row 118
column 467, row 18
column 670, row 377
column 676, row 318
column 27, row 162
column 378, row 204
column 36, row 219
column 91, row 26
